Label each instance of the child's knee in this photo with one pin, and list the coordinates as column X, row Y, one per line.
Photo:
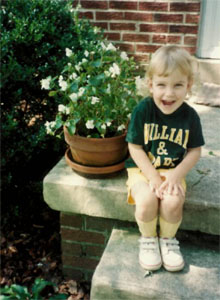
column 173, row 204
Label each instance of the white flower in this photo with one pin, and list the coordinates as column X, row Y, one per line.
column 95, row 100
column 77, row 67
column 64, row 109
column 73, row 97
column 63, row 85
column 121, row 127
column 69, row 52
column 108, row 90
column 124, row 56
column 109, row 124
column 49, row 126
column 61, row 108
column 111, row 47
column 114, row 70
column 73, row 76
column 81, row 91
column 103, row 126
column 45, row 83
column 96, row 29
column 86, row 53
column 90, row 124
column 84, row 60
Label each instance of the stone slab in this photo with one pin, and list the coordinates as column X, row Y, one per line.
column 119, row 275
column 66, row 191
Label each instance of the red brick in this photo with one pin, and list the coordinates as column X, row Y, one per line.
column 147, row 48
column 194, row 19
column 82, row 236
column 79, row 262
column 138, row 16
column 71, row 220
column 183, row 29
column 159, row 6
column 126, row 47
column 112, row 36
column 192, row 50
column 163, row 39
column 178, row 18
column 141, row 58
column 94, row 251
column 190, row 40
column 88, row 15
column 71, row 249
column 100, row 24
column 122, row 26
column 109, row 15
column 154, row 28
column 94, row 4
column 123, row 5
column 99, row 224
column 130, row 37
column 191, row 7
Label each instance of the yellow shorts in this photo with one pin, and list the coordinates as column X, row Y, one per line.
column 135, row 175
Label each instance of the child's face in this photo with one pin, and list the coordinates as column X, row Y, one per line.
column 170, row 91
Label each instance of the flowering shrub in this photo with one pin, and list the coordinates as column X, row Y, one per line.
column 96, row 90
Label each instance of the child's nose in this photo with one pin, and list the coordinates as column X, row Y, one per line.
column 169, row 91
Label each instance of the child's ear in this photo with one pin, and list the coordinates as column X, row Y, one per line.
column 189, row 85
column 150, row 84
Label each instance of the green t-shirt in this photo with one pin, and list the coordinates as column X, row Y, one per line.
column 165, row 138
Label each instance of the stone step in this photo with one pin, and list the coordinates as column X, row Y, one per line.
column 119, row 276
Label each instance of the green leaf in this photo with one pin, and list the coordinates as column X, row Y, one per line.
column 59, row 122
column 38, row 286
column 74, row 87
column 97, row 63
column 52, row 93
column 97, row 80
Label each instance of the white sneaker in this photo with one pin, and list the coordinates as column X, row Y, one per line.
column 149, row 255
column 171, row 255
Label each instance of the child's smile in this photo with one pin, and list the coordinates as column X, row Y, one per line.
column 169, row 92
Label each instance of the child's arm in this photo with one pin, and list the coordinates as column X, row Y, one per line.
column 172, row 184
column 144, row 164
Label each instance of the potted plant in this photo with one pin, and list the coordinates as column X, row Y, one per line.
column 97, row 93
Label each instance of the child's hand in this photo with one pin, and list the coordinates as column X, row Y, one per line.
column 155, row 184
column 172, row 185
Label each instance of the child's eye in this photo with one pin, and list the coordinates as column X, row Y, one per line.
column 161, row 84
column 178, row 85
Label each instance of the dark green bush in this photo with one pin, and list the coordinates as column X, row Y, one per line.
column 34, row 35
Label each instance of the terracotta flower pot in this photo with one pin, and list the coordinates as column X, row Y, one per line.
column 98, row 152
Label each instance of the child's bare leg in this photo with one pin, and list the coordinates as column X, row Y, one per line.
column 146, row 217
column 146, row 202
column 171, row 208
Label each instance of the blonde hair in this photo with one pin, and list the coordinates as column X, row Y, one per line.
column 168, row 58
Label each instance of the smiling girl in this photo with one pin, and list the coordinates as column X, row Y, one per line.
column 164, row 139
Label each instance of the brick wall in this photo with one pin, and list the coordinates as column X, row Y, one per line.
column 140, row 27
column 83, row 241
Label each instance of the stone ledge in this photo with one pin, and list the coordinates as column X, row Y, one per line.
column 66, row 191
column 119, row 276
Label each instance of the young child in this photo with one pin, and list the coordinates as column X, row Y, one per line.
column 164, row 139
